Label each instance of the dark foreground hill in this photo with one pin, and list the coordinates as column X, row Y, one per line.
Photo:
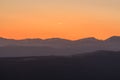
column 99, row 65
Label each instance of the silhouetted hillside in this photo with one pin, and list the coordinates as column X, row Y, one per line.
column 113, row 39
column 99, row 65
column 55, row 46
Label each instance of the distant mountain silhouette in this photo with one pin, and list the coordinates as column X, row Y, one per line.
column 56, row 46
column 88, row 40
column 113, row 39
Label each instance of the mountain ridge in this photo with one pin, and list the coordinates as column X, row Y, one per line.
column 56, row 46
column 88, row 38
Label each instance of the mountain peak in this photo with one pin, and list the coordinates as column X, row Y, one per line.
column 35, row 39
column 114, row 38
column 1, row 38
column 90, row 39
column 56, row 39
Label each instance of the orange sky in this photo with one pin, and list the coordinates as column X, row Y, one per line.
column 69, row 19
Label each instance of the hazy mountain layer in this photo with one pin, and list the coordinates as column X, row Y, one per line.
column 56, row 46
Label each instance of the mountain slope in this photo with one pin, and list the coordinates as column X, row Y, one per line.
column 56, row 46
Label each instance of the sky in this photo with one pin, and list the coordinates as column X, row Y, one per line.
column 69, row 19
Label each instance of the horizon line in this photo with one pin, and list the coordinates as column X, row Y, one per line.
column 59, row 38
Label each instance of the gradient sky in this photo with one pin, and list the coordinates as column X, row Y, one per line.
column 69, row 19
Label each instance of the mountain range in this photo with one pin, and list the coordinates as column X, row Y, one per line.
column 56, row 46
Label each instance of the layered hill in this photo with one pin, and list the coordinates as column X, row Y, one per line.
column 56, row 46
